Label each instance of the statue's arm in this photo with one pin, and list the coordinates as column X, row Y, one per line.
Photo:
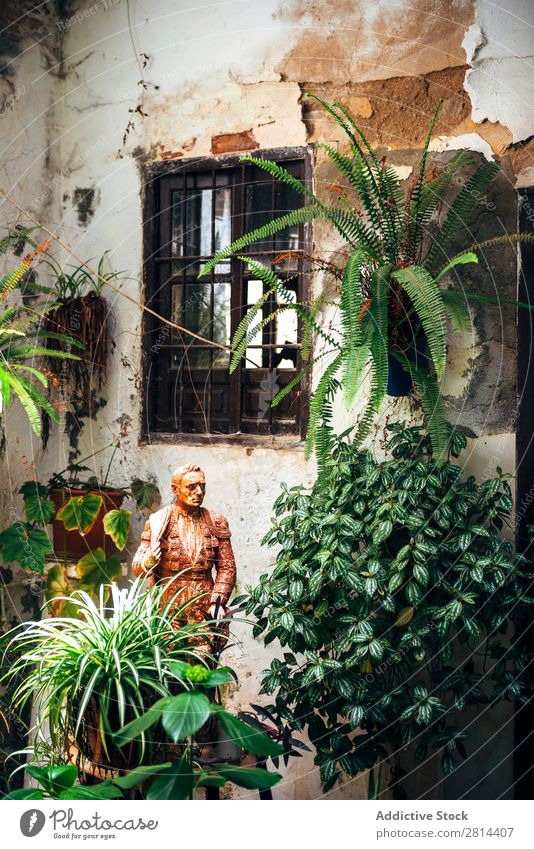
column 225, row 568
column 142, row 553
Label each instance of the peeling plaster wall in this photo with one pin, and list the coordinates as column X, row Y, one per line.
column 233, row 76
column 29, row 172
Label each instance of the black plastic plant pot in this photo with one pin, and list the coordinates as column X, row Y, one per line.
column 399, row 378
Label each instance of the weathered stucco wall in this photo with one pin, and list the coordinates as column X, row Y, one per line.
column 171, row 82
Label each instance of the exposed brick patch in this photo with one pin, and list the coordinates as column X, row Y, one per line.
column 400, row 107
column 232, row 142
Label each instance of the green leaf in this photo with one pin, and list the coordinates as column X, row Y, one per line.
column 252, row 778
column 54, row 779
column 80, row 511
column 25, row 545
column 185, row 714
column 175, row 783
column 405, row 616
column 141, row 774
column 382, row 532
column 249, row 738
column 141, row 723
column 96, row 569
column 37, row 506
column 105, row 790
column 421, row 574
column 24, row 793
column 145, row 494
column 117, row 526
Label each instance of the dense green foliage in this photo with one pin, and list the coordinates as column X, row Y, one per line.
column 391, row 298
column 387, row 573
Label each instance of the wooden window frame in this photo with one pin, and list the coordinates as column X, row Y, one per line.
column 152, row 175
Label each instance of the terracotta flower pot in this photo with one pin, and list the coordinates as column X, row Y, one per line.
column 72, row 542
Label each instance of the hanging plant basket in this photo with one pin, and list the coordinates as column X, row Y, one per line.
column 84, row 318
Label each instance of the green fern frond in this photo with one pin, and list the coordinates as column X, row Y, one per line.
column 274, row 283
column 317, row 402
column 461, row 208
column 291, row 385
column 13, row 279
column 378, row 321
column 250, row 315
column 418, row 188
column 33, row 371
column 5, row 389
column 364, row 236
column 23, row 352
column 248, row 339
column 296, row 216
column 282, row 175
column 457, row 311
column 21, row 391
column 355, row 351
column 460, row 259
column 432, row 407
column 427, row 299
column 432, row 190
column 385, row 181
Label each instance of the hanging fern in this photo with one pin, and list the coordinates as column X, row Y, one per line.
column 389, row 292
column 427, row 299
column 461, row 208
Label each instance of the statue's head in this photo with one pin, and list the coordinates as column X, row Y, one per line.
column 188, row 484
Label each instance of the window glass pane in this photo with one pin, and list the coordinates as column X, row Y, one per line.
column 198, row 223
column 285, row 357
column 177, row 225
column 191, row 308
column 258, row 211
column 221, row 323
column 286, row 200
column 254, row 293
column 286, row 323
column 192, row 357
column 223, row 219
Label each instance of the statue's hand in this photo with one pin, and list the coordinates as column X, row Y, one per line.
column 153, row 557
column 221, row 612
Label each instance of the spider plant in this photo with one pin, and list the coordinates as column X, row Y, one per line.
column 89, row 676
column 391, row 297
column 20, row 336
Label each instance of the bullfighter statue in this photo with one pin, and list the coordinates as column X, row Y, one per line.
column 187, row 538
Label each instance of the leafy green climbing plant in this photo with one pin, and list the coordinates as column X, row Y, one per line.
column 384, row 571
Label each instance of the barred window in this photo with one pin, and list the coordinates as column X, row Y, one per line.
column 192, row 212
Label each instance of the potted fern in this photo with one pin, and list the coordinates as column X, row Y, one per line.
column 393, row 309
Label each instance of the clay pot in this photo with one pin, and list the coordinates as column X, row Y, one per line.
column 72, row 542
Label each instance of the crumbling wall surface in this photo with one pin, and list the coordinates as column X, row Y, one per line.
column 500, row 48
column 161, row 82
